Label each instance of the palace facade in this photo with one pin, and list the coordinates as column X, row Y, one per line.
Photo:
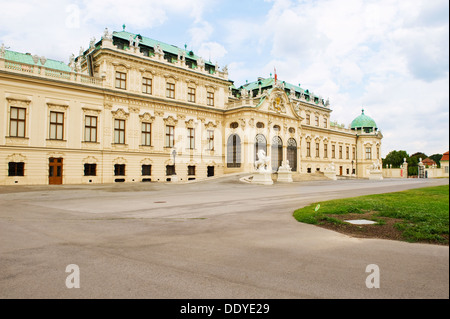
column 132, row 109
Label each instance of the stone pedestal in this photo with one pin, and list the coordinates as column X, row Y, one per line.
column 330, row 175
column 262, row 178
column 375, row 175
column 284, row 176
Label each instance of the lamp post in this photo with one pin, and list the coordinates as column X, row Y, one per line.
column 352, row 167
column 174, row 154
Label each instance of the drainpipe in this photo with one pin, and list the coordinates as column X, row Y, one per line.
column 356, row 156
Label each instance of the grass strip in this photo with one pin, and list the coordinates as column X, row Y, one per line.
column 423, row 213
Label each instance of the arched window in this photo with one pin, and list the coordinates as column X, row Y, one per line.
column 277, row 153
column 260, row 144
column 234, row 151
column 292, row 153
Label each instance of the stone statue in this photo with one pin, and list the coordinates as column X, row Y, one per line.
column 136, row 42
column 130, row 40
column 200, row 63
column 72, row 61
column 107, row 35
column 2, row 50
column 81, row 51
column 158, row 49
column 263, row 163
column 376, row 166
column 92, row 42
column 225, row 69
column 285, row 166
column 331, row 167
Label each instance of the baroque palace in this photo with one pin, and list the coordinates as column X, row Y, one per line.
column 132, row 109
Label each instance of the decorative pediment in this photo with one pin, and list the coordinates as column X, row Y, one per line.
column 119, row 160
column 146, row 161
column 90, row 160
column 18, row 101
column 17, row 158
column 170, row 121
column 120, row 114
column 190, row 123
column 91, row 112
column 210, row 125
column 57, row 107
column 278, row 102
column 146, row 117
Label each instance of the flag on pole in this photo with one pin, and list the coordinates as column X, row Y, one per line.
column 275, row 70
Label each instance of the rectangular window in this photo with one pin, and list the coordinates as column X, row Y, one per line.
column 146, row 170
column 368, row 153
column 210, row 98
column 119, row 170
column 317, row 150
column 90, row 129
column 308, row 119
column 146, row 134
column 333, row 151
column 340, row 152
column 90, row 169
column 378, row 152
column 16, row 169
column 17, row 122
column 325, row 150
column 170, row 137
column 325, row 122
column 170, row 90
column 56, row 126
column 191, row 95
column 170, row 170
column 354, row 153
column 121, row 80
column 308, row 149
column 347, row 152
column 191, row 138
column 317, row 121
column 146, row 86
column 119, row 131
column 191, row 170
column 210, row 140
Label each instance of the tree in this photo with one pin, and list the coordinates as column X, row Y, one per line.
column 437, row 159
column 395, row 158
column 413, row 163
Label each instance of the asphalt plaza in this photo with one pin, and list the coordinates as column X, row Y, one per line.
column 215, row 239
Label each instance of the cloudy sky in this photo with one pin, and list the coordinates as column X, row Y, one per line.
column 390, row 57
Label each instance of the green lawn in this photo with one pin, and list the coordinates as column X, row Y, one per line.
column 423, row 213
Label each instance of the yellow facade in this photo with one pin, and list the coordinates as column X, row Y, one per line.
column 119, row 114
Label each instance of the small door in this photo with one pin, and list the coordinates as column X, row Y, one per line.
column 341, row 170
column 210, row 171
column 55, row 171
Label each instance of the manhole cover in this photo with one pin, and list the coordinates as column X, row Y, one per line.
column 360, row 222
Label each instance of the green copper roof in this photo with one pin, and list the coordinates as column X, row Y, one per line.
column 270, row 82
column 363, row 121
column 28, row 59
column 153, row 43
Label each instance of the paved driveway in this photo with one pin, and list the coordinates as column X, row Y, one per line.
column 214, row 239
